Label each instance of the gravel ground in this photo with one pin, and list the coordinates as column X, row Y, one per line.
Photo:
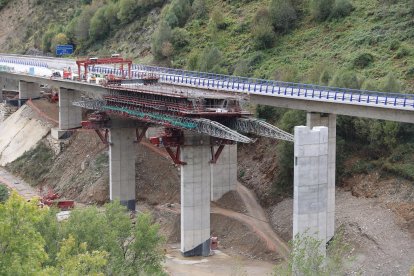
column 380, row 245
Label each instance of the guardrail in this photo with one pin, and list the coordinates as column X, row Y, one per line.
column 270, row 87
column 24, row 62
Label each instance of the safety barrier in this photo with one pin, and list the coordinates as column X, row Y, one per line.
column 26, row 62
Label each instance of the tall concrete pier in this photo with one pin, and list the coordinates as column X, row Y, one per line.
column 224, row 172
column 70, row 116
column 195, row 195
column 29, row 90
column 328, row 120
column 311, row 182
column 122, row 166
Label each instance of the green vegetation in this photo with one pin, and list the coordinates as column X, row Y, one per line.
column 306, row 259
column 3, row 3
column 34, row 164
column 90, row 242
column 4, row 193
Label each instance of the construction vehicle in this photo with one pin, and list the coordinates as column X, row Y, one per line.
column 67, row 74
column 53, row 199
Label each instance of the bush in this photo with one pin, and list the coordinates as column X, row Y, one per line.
column 262, row 30
column 4, row 193
column 363, row 60
column 283, row 15
column 210, row 59
column 402, row 52
column 346, row 79
column 199, row 9
column 321, row 9
column 218, row 19
column 179, row 38
column 391, row 84
column 3, row 3
column 341, row 8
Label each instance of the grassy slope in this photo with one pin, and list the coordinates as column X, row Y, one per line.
column 370, row 28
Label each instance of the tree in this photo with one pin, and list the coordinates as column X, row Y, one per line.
column 391, row 84
column 210, row 59
column 160, row 37
column 58, row 39
column 283, row 15
column 218, row 19
column 74, row 259
column 99, row 25
column 21, row 246
column 199, row 9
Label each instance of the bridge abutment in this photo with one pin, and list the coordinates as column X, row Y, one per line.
column 195, row 195
column 328, row 120
column 224, row 172
column 28, row 90
column 311, row 182
column 122, row 166
column 70, row 116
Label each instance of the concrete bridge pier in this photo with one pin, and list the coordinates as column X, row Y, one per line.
column 122, row 165
column 28, row 90
column 195, row 195
column 328, row 120
column 70, row 116
column 311, row 183
column 2, row 87
column 224, row 172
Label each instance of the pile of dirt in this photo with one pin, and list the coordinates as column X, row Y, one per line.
column 232, row 201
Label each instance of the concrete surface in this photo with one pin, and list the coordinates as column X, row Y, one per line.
column 70, row 116
column 14, row 134
column 195, row 195
column 310, row 182
column 122, row 166
column 224, row 172
column 29, row 90
column 328, row 120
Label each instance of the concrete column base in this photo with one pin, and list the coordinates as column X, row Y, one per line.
column 122, row 166
column 328, row 120
column 70, row 116
column 311, row 182
column 195, row 195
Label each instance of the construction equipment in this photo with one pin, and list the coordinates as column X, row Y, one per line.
column 85, row 63
column 53, row 199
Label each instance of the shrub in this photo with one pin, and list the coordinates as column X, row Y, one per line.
column 210, row 58
column 218, row 19
column 341, row 8
column 402, row 52
column 4, row 193
column 262, row 30
column 3, row 3
column 346, row 79
column 283, row 15
column 394, row 45
column 391, row 84
column 199, row 9
column 179, row 38
column 363, row 60
column 321, row 9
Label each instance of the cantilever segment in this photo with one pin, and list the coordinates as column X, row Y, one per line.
column 259, row 127
column 199, row 125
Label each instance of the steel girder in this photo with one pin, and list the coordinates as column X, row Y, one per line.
column 259, row 127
